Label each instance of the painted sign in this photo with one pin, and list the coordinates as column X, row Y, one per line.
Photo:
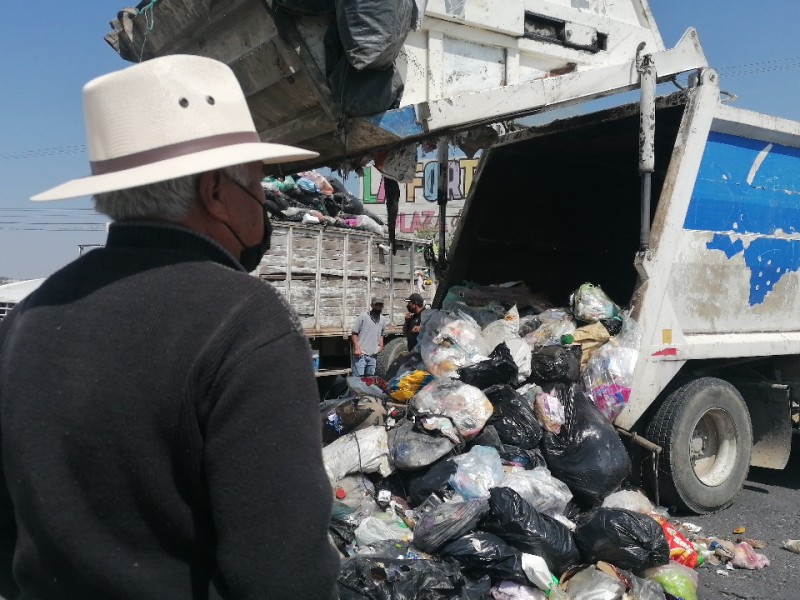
column 748, row 194
column 418, row 209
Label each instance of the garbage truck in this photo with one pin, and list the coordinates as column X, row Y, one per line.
column 328, row 275
column 678, row 205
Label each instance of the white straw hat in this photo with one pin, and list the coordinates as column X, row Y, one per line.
column 165, row 118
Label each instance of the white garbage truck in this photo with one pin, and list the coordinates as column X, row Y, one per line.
column 680, row 206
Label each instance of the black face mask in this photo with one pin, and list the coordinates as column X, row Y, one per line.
column 250, row 256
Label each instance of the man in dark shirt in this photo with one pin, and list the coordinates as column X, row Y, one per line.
column 158, row 408
column 415, row 305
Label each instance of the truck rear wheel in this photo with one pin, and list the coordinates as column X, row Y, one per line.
column 390, row 352
column 705, row 433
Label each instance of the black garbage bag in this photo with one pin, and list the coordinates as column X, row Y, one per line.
column 481, row 553
column 373, row 31
column 364, row 93
column 480, row 589
column 433, row 481
column 626, row 539
column 556, row 364
column 342, row 530
column 379, row 578
column 510, row 455
column 308, row 7
column 515, row 521
column 446, row 522
column 587, row 454
column 411, row 449
column 513, row 418
column 341, row 417
column 499, row 369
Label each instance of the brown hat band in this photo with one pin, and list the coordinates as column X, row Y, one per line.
column 146, row 157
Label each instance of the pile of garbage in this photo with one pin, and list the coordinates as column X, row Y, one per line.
column 312, row 199
column 487, row 466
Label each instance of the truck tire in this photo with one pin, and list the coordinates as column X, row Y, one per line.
column 390, row 352
column 705, row 433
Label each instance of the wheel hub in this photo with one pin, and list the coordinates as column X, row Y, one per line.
column 713, row 447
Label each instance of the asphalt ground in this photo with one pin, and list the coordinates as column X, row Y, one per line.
column 768, row 508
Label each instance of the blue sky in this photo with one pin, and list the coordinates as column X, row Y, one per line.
column 48, row 50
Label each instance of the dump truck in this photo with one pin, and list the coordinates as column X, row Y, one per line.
column 678, row 205
column 329, row 274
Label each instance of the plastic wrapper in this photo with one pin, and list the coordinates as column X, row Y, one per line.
column 499, row 368
column 483, row 314
column 528, row 324
column 403, row 387
column 364, row 223
column 406, row 364
column 447, row 522
column 521, row 353
column 341, row 530
column 538, row 572
column 517, row 523
column 591, row 304
column 512, row 456
column 677, row 580
column 745, row 557
column 379, row 527
column 508, row 590
column 365, row 451
column 374, row 387
column 645, row 589
column 449, row 342
column 478, row 470
column 410, row 449
column 594, row 584
column 609, row 374
column 681, row 550
column 630, row 500
column 436, row 480
column 513, row 418
column 624, row 538
column 340, row 417
column 590, row 338
column 323, row 185
column 503, row 329
column 556, row 364
column 549, row 412
column 356, row 493
column 540, row 489
column 480, row 553
column 555, row 324
column 442, row 425
column 587, row 455
column 465, row 405
column 392, row 579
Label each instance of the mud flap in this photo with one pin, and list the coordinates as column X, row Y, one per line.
column 769, row 404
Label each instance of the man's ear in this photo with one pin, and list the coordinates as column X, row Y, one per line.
column 212, row 196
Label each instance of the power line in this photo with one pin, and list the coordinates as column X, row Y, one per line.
column 41, row 152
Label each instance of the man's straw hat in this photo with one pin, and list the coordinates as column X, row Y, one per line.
column 165, row 118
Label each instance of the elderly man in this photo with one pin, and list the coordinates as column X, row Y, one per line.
column 367, row 337
column 157, row 405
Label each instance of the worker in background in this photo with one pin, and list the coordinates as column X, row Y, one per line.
column 415, row 305
column 158, row 408
column 367, row 337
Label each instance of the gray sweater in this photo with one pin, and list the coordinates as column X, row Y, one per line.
column 160, row 437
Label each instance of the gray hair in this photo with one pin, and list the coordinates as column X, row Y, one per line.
column 168, row 200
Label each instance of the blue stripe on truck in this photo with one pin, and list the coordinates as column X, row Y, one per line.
column 748, row 186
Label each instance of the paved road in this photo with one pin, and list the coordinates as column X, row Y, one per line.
column 769, row 507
